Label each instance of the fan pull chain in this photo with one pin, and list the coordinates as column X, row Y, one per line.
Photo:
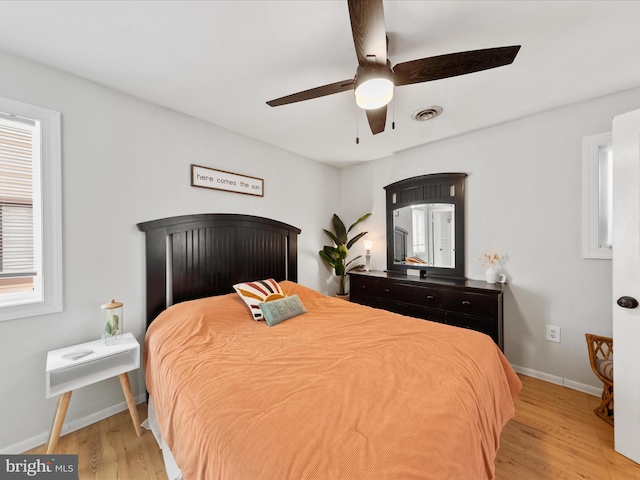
column 393, row 115
column 357, row 131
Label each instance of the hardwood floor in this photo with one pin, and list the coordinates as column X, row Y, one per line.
column 554, row 435
column 110, row 450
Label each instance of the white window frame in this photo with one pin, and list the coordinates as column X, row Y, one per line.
column 418, row 227
column 591, row 146
column 51, row 227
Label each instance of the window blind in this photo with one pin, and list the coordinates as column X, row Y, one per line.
column 16, row 198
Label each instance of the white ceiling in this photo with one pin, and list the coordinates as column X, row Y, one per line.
column 222, row 60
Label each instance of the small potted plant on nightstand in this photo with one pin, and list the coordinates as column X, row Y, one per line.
column 335, row 255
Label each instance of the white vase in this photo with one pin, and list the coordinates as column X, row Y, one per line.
column 492, row 275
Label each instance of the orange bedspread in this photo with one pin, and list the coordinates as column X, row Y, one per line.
column 343, row 391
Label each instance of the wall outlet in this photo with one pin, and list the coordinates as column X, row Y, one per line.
column 553, row 334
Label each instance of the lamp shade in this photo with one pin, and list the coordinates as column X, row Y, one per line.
column 374, row 86
column 374, row 93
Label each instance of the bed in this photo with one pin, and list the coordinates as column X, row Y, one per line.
column 342, row 391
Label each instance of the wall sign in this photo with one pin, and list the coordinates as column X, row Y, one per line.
column 220, row 180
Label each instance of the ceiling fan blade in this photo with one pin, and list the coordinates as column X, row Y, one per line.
column 452, row 65
column 313, row 93
column 377, row 119
column 367, row 27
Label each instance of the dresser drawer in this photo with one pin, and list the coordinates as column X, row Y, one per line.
column 416, row 295
column 479, row 324
column 411, row 310
column 399, row 292
column 377, row 288
column 364, row 285
column 470, row 303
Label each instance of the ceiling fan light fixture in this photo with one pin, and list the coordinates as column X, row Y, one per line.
column 375, row 79
column 373, row 88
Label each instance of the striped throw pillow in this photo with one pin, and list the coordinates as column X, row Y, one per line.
column 257, row 292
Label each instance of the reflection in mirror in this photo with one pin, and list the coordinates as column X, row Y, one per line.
column 424, row 235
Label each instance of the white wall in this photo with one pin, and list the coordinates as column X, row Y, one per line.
column 524, row 200
column 125, row 161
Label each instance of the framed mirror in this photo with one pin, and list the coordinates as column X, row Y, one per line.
column 425, row 225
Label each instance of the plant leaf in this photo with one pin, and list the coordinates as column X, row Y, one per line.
column 332, row 252
column 357, row 267
column 353, row 260
column 341, row 232
column 332, row 236
column 355, row 239
column 361, row 219
column 330, row 261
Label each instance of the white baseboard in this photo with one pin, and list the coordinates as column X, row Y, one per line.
column 68, row 427
column 580, row 387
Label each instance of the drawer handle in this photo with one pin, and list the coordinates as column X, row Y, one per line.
column 363, row 286
column 466, row 303
column 430, row 297
column 386, row 290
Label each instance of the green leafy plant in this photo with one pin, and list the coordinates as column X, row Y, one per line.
column 335, row 255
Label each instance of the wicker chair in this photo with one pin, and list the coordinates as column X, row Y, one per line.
column 601, row 359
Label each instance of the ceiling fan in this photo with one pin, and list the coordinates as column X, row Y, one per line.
column 375, row 79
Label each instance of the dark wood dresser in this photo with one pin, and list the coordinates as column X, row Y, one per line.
column 464, row 303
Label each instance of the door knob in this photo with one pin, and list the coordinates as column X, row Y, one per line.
column 627, row 302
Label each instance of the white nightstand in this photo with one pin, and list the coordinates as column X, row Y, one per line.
column 65, row 375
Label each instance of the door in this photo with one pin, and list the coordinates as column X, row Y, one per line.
column 626, row 282
column 442, row 232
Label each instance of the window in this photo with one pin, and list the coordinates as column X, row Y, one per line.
column 419, row 240
column 30, row 211
column 597, row 178
column 19, row 151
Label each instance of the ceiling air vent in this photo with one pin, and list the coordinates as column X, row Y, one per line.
column 425, row 114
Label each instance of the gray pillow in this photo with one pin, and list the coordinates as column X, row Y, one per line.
column 277, row 311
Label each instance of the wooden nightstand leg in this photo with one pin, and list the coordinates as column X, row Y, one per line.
column 63, row 404
column 126, row 388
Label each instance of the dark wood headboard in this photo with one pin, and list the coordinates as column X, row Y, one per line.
column 195, row 256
